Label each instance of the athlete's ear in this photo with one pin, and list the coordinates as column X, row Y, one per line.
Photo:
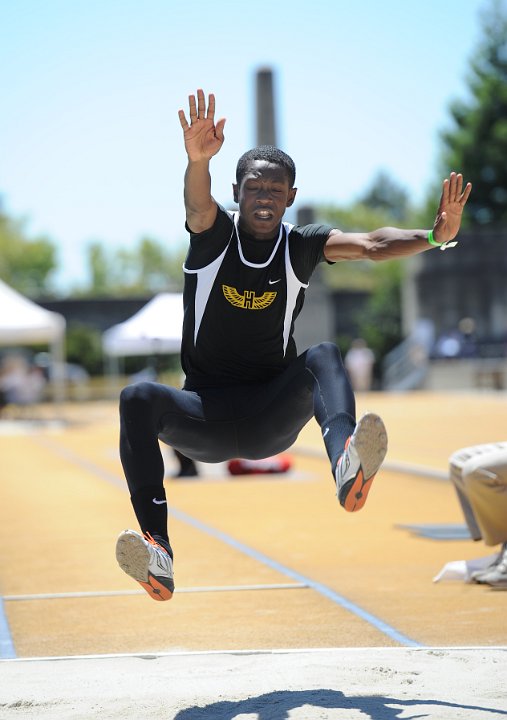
column 235, row 192
column 292, row 196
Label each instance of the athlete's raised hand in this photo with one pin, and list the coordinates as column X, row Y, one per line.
column 450, row 210
column 203, row 138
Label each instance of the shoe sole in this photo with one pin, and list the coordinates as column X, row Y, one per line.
column 370, row 442
column 134, row 558
column 495, row 579
column 498, row 584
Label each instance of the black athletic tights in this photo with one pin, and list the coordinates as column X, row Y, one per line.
column 213, row 425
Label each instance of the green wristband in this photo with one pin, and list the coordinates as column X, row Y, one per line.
column 432, row 240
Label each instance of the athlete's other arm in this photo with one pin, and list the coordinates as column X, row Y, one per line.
column 386, row 243
column 203, row 139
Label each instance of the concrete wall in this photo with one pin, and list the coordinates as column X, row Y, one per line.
column 467, row 374
column 467, row 281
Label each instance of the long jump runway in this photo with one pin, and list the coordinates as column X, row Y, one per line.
column 285, row 605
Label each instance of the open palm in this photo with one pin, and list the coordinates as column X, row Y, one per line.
column 203, row 138
column 450, row 210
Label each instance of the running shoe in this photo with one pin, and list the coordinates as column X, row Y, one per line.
column 364, row 453
column 147, row 562
column 496, row 575
column 477, row 574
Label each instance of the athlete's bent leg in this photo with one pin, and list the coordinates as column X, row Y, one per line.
column 357, row 451
column 196, row 424
column 141, row 407
column 144, row 412
column 333, row 398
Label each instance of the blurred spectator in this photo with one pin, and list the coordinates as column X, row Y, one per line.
column 468, row 344
column 21, row 383
column 75, row 376
column 359, row 362
column 458, row 343
column 447, row 345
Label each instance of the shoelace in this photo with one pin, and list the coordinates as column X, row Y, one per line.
column 347, row 443
column 153, row 542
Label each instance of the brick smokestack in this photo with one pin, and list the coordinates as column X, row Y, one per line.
column 266, row 121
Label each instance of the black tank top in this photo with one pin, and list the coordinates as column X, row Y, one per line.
column 241, row 299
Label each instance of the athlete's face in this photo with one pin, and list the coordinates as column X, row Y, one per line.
column 263, row 196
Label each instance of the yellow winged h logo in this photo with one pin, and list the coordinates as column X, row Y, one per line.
column 249, row 300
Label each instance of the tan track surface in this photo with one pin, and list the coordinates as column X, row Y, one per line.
column 63, row 502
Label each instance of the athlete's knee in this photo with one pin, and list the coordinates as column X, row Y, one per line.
column 134, row 398
column 325, row 354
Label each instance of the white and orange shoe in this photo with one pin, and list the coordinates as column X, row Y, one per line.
column 147, row 562
column 364, row 453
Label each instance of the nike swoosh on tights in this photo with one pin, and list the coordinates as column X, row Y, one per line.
column 158, row 502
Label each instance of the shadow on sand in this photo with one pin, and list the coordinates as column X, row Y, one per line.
column 277, row 706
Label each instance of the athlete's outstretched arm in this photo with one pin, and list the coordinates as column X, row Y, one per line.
column 203, row 139
column 387, row 243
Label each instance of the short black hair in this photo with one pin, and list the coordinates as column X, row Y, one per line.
column 270, row 154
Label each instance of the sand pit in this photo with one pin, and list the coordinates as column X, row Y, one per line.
column 334, row 684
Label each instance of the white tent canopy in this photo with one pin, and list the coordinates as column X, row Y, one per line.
column 154, row 330
column 23, row 322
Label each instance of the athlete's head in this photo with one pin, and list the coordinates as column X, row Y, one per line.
column 270, row 154
column 264, row 189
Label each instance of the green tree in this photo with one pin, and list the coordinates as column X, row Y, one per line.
column 153, row 264
column 147, row 268
column 84, row 347
column 385, row 194
column 383, row 204
column 99, row 269
column 25, row 263
column 380, row 323
column 476, row 142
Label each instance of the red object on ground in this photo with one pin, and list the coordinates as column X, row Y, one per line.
column 275, row 464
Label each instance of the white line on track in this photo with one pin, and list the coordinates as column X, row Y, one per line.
column 121, row 593
column 367, row 651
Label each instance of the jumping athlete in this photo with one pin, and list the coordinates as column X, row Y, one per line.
column 247, row 393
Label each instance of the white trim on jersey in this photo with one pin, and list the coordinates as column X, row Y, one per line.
column 206, row 277
column 240, row 249
column 294, row 286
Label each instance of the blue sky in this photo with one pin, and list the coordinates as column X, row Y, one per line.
column 90, row 142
